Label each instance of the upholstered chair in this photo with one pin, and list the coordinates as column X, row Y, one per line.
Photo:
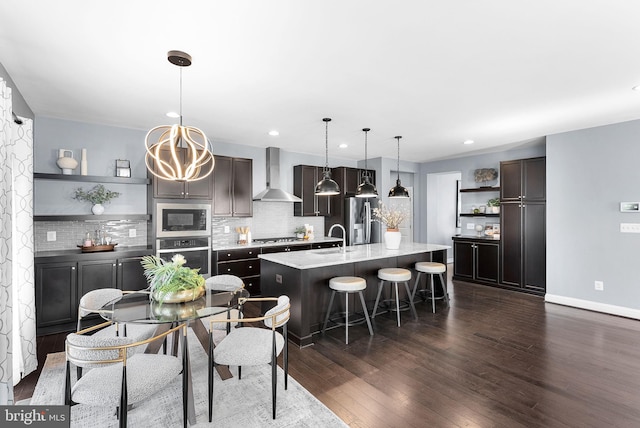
column 250, row 346
column 119, row 376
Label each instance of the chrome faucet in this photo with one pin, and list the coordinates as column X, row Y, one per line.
column 344, row 236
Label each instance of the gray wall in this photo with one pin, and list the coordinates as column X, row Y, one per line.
column 589, row 172
column 19, row 105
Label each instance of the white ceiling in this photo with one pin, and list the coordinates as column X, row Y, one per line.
column 435, row 72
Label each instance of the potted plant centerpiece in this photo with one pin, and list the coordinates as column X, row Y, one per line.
column 171, row 281
column 392, row 218
column 98, row 195
column 300, row 232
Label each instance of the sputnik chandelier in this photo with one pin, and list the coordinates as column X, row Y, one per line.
column 177, row 152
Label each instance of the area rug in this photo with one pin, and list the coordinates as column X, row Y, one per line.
column 237, row 403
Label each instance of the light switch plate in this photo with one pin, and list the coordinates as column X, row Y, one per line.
column 132, row 233
column 471, row 226
column 51, row 235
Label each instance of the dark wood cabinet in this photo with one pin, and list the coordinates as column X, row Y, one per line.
column 305, row 178
column 60, row 285
column 243, row 263
column 476, row 260
column 523, row 224
column 168, row 189
column 56, row 294
column 523, row 180
column 523, row 255
column 233, row 187
column 350, row 178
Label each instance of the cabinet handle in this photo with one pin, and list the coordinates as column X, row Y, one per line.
column 228, row 269
column 250, row 267
column 187, row 193
column 119, row 264
column 228, row 254
column 182, row 193
column 114, row 265
column 73, row 268
column 250, row 252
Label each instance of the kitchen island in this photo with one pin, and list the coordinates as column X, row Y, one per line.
column 304, row 277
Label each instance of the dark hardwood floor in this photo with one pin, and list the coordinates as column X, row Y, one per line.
column 496, row 358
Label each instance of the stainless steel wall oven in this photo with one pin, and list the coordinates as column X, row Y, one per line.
column 196, row 250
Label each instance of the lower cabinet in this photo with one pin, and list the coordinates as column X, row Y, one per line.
column 56, row 294
column 60, row 285
column 241, row 262
column 476, row 260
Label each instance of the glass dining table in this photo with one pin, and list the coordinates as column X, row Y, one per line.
column 137, row 307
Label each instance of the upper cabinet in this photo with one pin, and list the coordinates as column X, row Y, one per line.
column 168, row 189
column 233, row 187
column 305, row 178
column 350, row 178
column 523, row 180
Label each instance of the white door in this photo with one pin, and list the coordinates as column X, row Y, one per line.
column 406, row 205
column 442, row 200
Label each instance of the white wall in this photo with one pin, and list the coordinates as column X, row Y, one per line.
column 589, row 172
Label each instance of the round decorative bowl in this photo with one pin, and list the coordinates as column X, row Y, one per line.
column 179, row 296
column 162, row 311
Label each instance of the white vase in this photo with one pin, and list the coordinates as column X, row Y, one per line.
column 392, row 239
column 66, row 162
column 97, row 209
column 83, row 162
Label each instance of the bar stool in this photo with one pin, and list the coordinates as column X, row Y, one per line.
column 431, row 269
column 395, row 275
column 347, row 285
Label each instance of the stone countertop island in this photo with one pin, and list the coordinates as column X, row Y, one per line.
column 304, row 277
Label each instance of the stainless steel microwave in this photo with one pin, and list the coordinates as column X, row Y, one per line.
column 182, row 220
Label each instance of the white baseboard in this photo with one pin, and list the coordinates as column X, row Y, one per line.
column 593, row 306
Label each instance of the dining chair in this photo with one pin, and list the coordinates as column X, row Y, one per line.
column 251, row 346
column 95, row 300
column 225, row 282
column 119, row 376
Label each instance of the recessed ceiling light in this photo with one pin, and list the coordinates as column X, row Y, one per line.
column 343, row 145
column 173, row 114
column 468, row 142
column 274, row 133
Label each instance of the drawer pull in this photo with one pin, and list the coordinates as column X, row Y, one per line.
column 228, row 254
column 229, row 270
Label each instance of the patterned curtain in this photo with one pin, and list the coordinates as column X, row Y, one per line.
column 17, row 296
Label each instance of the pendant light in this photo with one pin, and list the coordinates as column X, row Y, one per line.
column 326, row 186
column 366, row 189
column 398, row 191
column 177, row 152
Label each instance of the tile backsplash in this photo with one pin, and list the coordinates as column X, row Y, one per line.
column 70, row 233
column 270, row 220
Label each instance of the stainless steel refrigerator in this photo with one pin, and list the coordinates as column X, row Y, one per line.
column 359, row 223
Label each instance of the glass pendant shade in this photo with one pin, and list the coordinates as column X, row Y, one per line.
column 398, row 191
column 326, row 186
column 366, row 189
column 177, row 152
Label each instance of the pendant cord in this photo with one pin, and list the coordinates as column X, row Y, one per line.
column 326, row 145
column 398, row 163
column 365, row 154
column 180, row 105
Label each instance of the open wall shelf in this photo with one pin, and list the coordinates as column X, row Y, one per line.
column 90, row 178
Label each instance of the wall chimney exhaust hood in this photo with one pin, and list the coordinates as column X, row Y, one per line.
column 273, row 193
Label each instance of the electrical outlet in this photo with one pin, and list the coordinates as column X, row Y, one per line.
column 599, row 285
column 226, row 229
column 51, row 235
column 471, row 226
column 132, row 233
column 278, row 278
column 630, row 227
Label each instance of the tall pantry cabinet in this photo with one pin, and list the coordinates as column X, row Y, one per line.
column 523, row 224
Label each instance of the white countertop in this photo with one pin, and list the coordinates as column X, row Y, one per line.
column 254, row 244
column 309, row 259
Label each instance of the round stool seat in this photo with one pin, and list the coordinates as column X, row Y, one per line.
column 394, row 274
column 347, row 283
column 430, row 267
